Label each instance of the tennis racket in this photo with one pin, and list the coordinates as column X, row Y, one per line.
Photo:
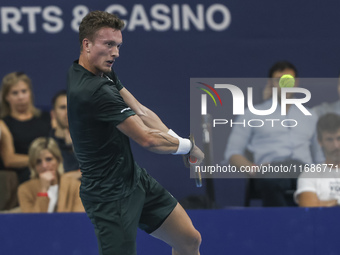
column 189, row 162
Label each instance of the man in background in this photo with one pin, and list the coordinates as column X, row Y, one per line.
column 274, row 145
column 319, row 185
column 61, row 132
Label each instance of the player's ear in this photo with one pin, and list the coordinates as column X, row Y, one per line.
column 86, row 45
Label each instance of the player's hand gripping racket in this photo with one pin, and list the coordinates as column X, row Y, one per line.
column 190, row 161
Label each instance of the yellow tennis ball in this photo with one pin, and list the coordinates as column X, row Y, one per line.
column 287, row 81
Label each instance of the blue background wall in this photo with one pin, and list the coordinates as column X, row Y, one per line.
column 156, row 65
column 279, row 231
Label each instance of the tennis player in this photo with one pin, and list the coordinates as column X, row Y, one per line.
column 117, row 194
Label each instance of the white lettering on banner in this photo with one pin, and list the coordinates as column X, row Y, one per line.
column 189, row 15
column 138, row 18
column 12, row 16
column 49, row 14
column 158, row 17
column 175, row 18
column 79, row 12
column 157, row 12
column 226, row 17
column 31, row 11
column 162, row 16
column 118, row 9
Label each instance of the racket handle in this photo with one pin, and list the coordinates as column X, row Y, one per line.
column 198, row 180
column 198, row 177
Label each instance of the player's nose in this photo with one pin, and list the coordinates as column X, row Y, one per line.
column 115, row 52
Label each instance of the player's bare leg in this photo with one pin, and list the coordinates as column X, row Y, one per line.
column 179, row 232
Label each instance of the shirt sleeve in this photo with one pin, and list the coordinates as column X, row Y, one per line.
column 29, row 201
column 304, row 184
column 115, row 78
column 238, row 139
column 110, row 106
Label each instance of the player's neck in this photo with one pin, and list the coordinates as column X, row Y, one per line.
column 84, row 62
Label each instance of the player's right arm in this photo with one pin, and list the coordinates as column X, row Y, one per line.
column 155, row 140
column 149, row 118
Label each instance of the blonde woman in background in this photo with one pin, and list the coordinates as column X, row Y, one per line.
column 48, row 190
column 23, row 119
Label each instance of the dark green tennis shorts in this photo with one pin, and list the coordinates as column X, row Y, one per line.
column 116, row 222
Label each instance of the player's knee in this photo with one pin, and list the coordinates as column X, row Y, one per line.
column 194, row 241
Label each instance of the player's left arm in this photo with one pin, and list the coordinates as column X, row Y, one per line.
column 149, row 118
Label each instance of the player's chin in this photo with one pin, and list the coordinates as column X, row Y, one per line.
column 107, row 70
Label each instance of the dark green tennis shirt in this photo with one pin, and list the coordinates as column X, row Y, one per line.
column 95, row 108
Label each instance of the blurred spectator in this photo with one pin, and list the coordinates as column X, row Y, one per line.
column 48, row 190
column 9, row 179
column 23, row 119
column 326, row 107
column 321, row 186
column 275, row 145
column 275, row 72
column 61, row 133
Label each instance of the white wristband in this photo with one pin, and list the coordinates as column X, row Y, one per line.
column 173, row 134
column 184, row 146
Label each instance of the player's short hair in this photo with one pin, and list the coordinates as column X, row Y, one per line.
column 8, row 81
column 57, row 95
column 329, row 122
column 38, row 145
column 96, row 20
column 280, row 66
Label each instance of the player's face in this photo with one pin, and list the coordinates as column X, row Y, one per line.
column 60, row 111
column 330, row 142
column 19, row 97
column 104, row 49
column 46, row 162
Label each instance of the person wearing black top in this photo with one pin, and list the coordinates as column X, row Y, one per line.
column 23, row 119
